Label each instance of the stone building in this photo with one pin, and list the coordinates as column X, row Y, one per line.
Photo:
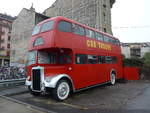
column 21, row 33
column 5, row 35
column 135, row 50
column 94, row 13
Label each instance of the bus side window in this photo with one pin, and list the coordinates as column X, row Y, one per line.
column 106, row 39
column 78, row 30
column 65, row 59
column 81, row 59
column 101, row 59
column 90, row 33
column 118, row 42
column 99, row 36
column 65, row 26
column 108, row 59
column 47, row 26
column 114, row 60
column 92, row 59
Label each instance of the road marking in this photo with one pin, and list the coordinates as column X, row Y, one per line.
column 74, row 106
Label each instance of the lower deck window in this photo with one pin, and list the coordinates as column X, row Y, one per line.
column 46, row 58
column 65, row 59
column 92, row 59
column 81, row 59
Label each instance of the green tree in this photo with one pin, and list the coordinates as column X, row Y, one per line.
column 147, row 59
column 146, row 65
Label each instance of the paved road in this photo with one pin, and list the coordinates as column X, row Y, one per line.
column 133, row 97
column 141, row 102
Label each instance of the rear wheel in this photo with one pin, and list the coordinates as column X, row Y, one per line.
column 62, row 90
column 112, row 78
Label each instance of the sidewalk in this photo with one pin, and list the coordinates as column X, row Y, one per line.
column 11, row 90
column 12, row 107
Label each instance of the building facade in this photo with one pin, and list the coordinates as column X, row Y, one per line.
column 21, row 34
column 135, row 50
column 94, row 13
column 5, row 36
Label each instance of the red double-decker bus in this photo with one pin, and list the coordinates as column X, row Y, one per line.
column 66, row 56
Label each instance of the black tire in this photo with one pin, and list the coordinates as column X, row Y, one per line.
column 61, row 91
column 33, row 92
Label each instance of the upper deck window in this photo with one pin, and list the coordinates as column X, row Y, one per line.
column 36, row 30
column 90, row 33
column 38, row 41
column 106, row 39
column 47, row 26
column 65, row 26
column 118, row 42
column 99, row 36
column 78, row 30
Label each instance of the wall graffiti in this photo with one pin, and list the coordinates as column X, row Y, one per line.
column 8, row 73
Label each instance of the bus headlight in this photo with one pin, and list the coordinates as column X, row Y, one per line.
column 48, row 79
column 29, row 78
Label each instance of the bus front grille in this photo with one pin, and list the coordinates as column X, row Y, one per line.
column 36, row 79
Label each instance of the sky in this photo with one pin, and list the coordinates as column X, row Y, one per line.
column 130, row 18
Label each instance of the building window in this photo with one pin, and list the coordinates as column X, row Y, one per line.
column 105, row 30
column 104, row 6
column 8, row 46
column 0, row 62
column 8, row 38
column 104, row 17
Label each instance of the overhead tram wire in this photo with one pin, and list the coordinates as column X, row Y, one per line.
column 131, row 27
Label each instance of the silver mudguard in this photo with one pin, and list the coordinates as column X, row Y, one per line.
column 54, row 79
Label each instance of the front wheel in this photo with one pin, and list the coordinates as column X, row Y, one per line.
column 112, row 78
column 62, row 90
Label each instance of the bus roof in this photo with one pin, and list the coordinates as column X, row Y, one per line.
column 58, row 18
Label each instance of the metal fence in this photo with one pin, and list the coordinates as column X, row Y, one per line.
column 11, row 73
